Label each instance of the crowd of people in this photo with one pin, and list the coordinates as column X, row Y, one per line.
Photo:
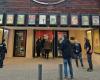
column 68, row 50
column 43, row 47
column 72, row 50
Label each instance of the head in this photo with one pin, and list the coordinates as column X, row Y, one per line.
column 86, row 40
column 3, row 40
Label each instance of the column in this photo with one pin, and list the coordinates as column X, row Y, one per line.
column 10, row 46
column 29, row 44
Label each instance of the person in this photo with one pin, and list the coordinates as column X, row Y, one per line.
column 38, row 47
column 42, row 46
column 78, row 53
column 87, row 46
column 66, row 54
column 47, row 46
column 3, row 51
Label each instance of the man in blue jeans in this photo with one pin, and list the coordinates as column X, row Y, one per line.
column 87, row 46
column 67, row 53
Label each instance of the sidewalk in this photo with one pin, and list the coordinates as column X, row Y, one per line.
column 27, row 69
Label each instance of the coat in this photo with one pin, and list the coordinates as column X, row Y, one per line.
column 66, row 49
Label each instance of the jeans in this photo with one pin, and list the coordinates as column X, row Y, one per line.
column 89, row 58
column 79, row 56
column 68, row 61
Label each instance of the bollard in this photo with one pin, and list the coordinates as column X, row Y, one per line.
column 40, row 72
column 60, row 71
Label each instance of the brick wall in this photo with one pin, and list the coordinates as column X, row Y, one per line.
column 69, row 6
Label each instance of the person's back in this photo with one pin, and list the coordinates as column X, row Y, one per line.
column 66, row 48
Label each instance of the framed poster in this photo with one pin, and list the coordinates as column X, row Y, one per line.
column 1, row 19
column 10, row 19
column 74, row 20
column 85, row 20
column 53, row 20
column 31, row 19
column 63, row 19
column 42, row 19
column 95, row 20
column 21, row 19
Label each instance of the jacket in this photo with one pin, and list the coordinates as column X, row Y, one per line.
column 66, row 49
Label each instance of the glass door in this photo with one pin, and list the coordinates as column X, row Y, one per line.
column 20, row 43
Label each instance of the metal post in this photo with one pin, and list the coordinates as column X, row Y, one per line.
column 40, row 72
column 60, row 72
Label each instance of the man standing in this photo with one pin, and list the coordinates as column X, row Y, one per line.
column 66, row 53
column 3, row 50
column 87, row 46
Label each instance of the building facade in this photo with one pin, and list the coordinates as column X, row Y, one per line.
column 22, row 22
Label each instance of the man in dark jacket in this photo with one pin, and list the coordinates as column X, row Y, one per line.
column 66, row 53
column 87, row 46
column 3, row 50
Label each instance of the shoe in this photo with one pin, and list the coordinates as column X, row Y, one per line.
column 66, row 77
column 72, row 77
column 90, row 70
column 1, row 66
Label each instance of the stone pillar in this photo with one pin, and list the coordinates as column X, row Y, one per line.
column 10, row 46
column 29, row 44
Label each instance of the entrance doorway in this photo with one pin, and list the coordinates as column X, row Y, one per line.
column 20, row 43
column 53, row 37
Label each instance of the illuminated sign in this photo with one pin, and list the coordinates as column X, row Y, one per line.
column 85, row 20
column 42, row 19
column 31, row 19
column 1, row 18
column 20, row 19
column 10, row 19
column 95, row 20
column 74, row 20
column 53, row 19
column 63, row 19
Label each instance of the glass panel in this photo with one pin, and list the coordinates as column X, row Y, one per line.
column 40, row 38
column 10, row 19
column 74, row 20
column 31, row 19
column 53, row 20
column 63, row 20
column 42, row 19
column 20, row 43
column 20, row 19
column 95, row 20
column 1, row 18
column 85, row 20
column 6, row 33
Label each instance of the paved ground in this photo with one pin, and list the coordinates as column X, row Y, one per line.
column 27, row 69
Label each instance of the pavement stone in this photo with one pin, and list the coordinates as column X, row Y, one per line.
column 27, row 69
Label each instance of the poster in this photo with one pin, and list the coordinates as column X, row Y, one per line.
column 1, row 18
column 53, row 20
column 95, row 20
column 42, row 19
column 74, row 20
column 10, row 19
column 63, row 20
column 31, row 19
column 20, row 19
column 85, row 20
